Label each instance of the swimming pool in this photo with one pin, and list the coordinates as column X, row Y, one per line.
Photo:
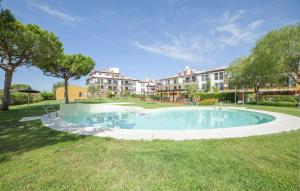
column 170, row 119
column 174, row 123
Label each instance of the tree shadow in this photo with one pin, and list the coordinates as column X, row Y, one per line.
column 18, row 137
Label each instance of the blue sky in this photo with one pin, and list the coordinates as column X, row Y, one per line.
column 152, row 38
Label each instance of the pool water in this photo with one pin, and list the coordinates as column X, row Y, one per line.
column 181, row 119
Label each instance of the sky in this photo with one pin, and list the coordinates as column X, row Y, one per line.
column 151, row 38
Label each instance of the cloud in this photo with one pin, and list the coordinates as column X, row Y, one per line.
column 180, row 48
column 64, row 17
column 198, row 48
column 236, row 34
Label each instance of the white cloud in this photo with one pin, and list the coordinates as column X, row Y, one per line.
column 180, row 48
column 198, row 49
column 64, row 17
column 236, row 34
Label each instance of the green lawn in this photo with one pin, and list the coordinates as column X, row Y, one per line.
column 33, row 157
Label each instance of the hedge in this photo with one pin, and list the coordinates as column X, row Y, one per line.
column 208, row 102
column 221, row 96
column 47, row 95
column 17, row 98
column 154, row 97
column 278, row 98
column 272, row 103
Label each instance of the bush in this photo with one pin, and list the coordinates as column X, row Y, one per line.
column 137, row 95
column 209, row 102
column 154, row 97
column 271, row 103
column 110, row 94
column 19, row 98
column 47, row 95
column 278, row 98
column 221, row 96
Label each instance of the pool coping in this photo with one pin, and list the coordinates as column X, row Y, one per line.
column 282, row 123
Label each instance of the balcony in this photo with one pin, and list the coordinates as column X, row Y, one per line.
column 190, row 81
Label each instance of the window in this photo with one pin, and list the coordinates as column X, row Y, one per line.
column 102, row 87
column 216, row 76
column 175, row 87
column 175, row 81
column 80, row 94
column 221, row 75
column 204, row 78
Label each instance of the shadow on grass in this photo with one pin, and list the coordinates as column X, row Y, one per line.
column 18, row 137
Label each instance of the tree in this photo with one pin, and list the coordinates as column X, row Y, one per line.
column 252, row 73
column 274, row 55
column 215, row 89
column 17, row 87
column 92, row 89
column 57, row 85
column 23, row 45
column 191, row 90
column 279, row 51
column 207, row 86
column 69, row 67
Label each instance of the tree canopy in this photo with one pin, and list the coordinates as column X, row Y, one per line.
column 92, row 89
column 57, row 85
column 191, row 90
column 279, row 51
column 274, row 56
column 22, row 44
column 69, row 67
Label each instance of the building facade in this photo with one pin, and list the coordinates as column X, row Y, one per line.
column 173, row 87
column 112, row 80
column 74, row 93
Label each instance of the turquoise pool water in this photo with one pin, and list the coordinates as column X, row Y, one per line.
column 181, row 119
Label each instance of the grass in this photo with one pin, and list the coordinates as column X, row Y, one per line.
column 33, row 157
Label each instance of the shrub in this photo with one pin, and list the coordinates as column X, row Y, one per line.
column 154, row 97
column 221, row 96
column 137, row 95
column 47, row 95
column 278, row 98
column 19, row 98
column 209, row 102
column 36, row 98
column 110, row 94
column 271, row 103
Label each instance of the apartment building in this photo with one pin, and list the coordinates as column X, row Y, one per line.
column 112, row 80
column 173, row 87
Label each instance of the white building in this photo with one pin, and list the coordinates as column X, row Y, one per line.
column 112, row 80
column 188, row 76
column 174, row 85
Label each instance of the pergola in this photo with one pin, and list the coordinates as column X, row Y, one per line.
column 173, row 92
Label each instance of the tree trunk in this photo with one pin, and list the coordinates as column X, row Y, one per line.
column 298, row 95
column 257, row 95
column 66, row 91
column 6, row 91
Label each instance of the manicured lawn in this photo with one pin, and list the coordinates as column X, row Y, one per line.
column 33, row 157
